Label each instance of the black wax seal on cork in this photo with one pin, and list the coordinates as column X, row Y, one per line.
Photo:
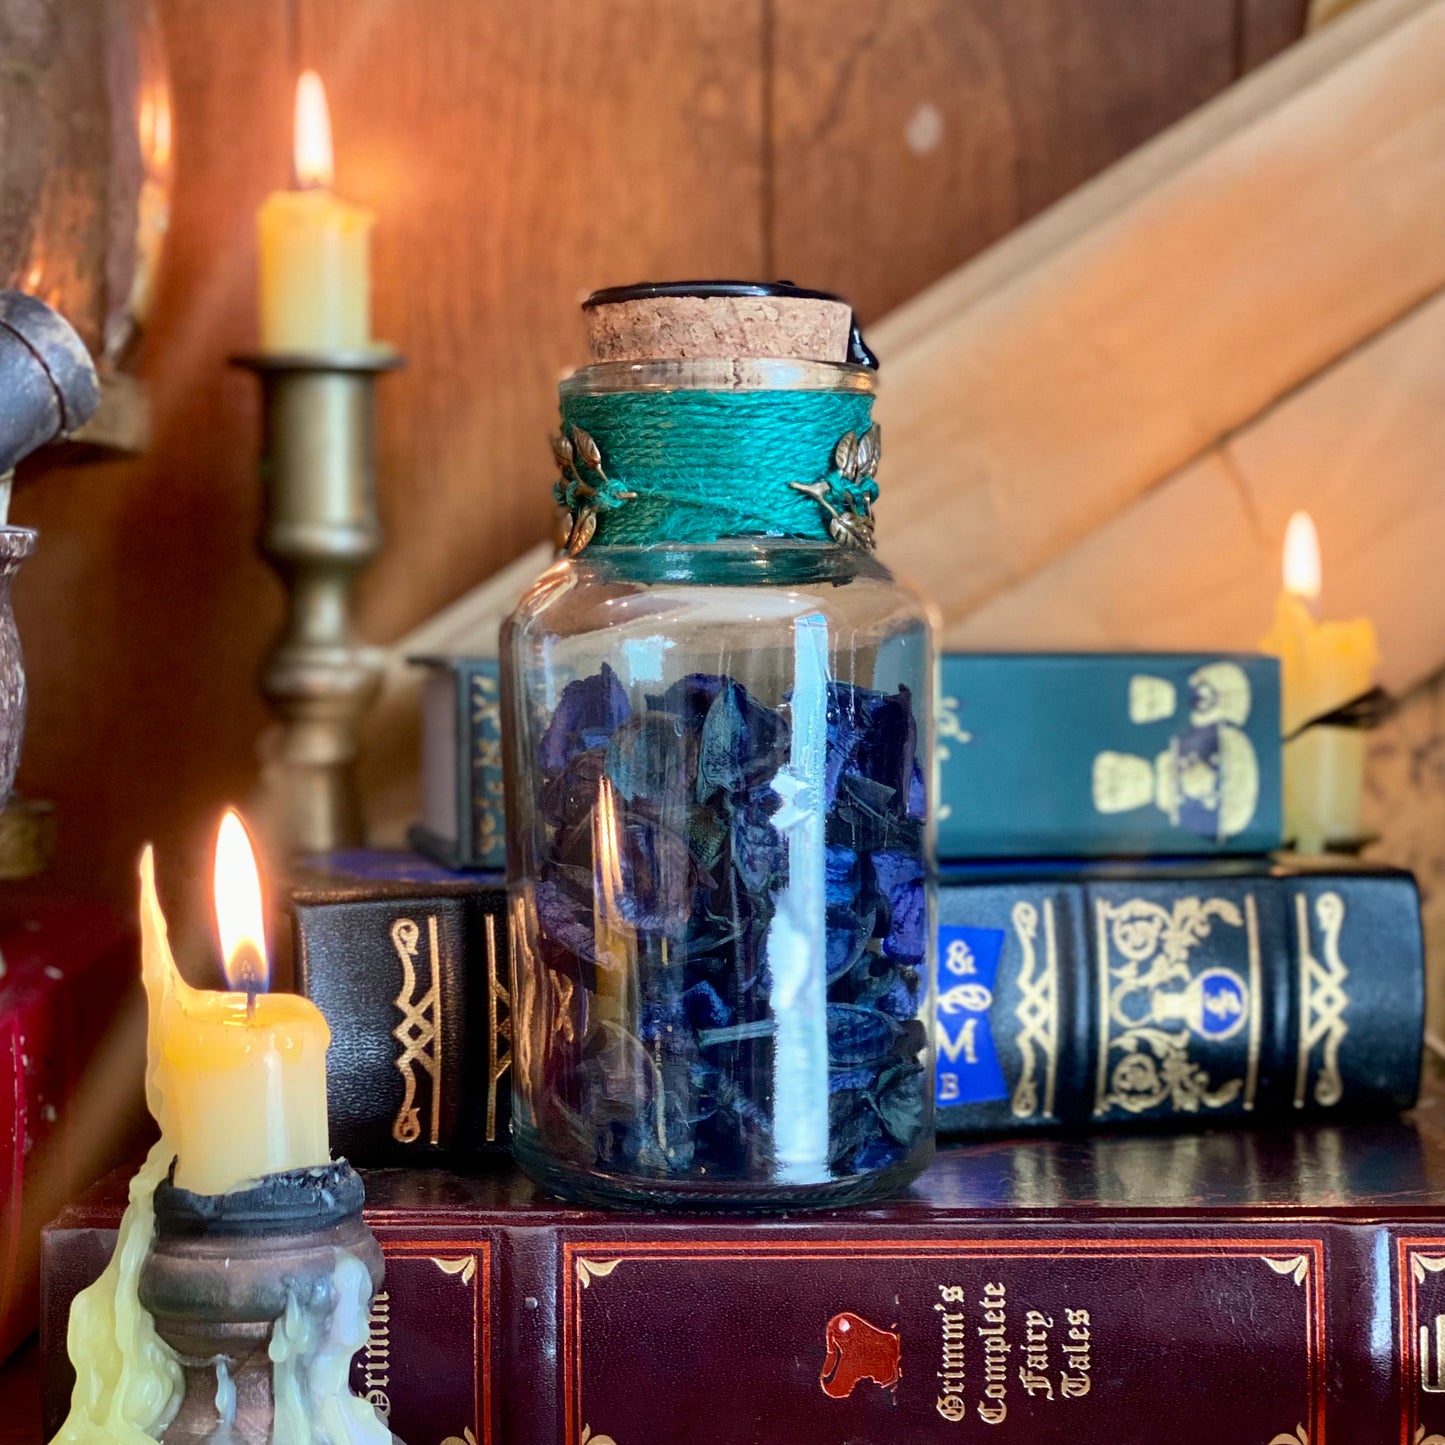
column 859, row 353
column 48, row 385
column 291, row 1201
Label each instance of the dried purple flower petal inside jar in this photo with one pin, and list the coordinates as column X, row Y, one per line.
column 589, row 711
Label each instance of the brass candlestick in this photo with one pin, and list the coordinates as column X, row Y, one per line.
column 318, row 473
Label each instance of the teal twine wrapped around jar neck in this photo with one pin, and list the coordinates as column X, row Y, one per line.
column 689, row 466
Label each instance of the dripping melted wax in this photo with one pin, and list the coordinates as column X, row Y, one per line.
column 128, row 1381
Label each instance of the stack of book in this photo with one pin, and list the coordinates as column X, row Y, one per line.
column 1116, row 942
column 1117, row 945
column 1229, row 1287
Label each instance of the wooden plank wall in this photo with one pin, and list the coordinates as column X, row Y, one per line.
column 518, row 155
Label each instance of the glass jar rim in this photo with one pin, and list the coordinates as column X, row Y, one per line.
column 719, row 374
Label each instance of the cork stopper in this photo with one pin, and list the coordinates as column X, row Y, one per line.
column 689, row 320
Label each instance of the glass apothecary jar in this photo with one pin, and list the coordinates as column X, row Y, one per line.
column 718, row 720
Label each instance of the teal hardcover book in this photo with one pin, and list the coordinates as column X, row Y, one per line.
column 1105, row 754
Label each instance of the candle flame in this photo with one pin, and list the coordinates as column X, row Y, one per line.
column 314, row 165
column 1302, row 573
column 239, row 920
column 154, row 126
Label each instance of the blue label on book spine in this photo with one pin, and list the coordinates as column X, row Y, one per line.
column 968, row 1067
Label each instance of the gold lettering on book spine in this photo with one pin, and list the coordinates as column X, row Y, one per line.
column 948, row 729
column 499, row 1028
column 419, row 1033
column 1323, row 999
column 1037, row 1011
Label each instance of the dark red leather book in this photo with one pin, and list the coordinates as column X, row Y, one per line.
column 66, row 969
column 1216, row 1288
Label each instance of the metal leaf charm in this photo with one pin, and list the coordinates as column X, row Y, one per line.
column 818, row 491
column 845, row 456
column 562, row 452
column 870, row 450
column 582, row 529
column 848, row 529
column 587, row 449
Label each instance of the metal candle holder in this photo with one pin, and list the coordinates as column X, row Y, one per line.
column 224, row 1269
column 318, row 473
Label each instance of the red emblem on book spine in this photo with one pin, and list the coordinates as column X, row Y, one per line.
column 857, row 1350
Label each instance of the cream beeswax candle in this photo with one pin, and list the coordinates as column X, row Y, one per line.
column 1322, row 666
column 315, row 247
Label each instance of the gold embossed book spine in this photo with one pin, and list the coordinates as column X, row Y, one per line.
column 1255, row 991
column 408, row 963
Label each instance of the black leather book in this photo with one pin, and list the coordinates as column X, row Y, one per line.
column 408, row 963
column 1259, row 990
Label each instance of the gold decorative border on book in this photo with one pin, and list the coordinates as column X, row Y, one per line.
column 469, row 1262
column 419, row 1033
column 499, row 1027
column 1420, row 1345
column 1303, row 1259
column 1154, row 944
column 1037, row 1010
column 487, row 793
column 1323, row 999
column 1256, row 1010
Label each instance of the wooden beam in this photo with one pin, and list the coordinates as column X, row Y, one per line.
column 1195, row 563
column 1037, row 392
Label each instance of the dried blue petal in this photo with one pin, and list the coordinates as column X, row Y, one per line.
column 707, row 836
column 760, row 852
column 841, row 877
column 569, row 796
column 689, row 698
column 859, row 1077
column 900, row 881
column 871, row 735
column 874, row 1155
column 564, row 919
column 589, row 711
column 865, row 815
column 917, row 792
column 858, row 1035
column 658, row 877
column 849, row 931
column 743, row 745
column 704, row 1007
column 898, row 1099
column 912, row 1035
column 852, row 1123
column 904, row 995
column 652, row 758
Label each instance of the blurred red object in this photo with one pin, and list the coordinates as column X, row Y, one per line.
column 72, row 1045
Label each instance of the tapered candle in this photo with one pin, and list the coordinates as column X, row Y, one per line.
column 315, row 247
column 1323, row 665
